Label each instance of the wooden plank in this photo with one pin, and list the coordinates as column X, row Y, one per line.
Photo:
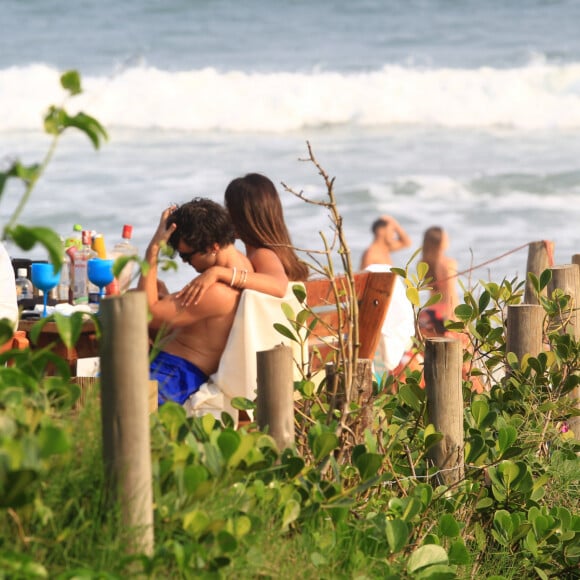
column 374, row 292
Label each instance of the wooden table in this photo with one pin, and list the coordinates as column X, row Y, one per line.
column 86, row 346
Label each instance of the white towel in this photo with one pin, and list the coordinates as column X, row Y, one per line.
column 399, row 325
column 252, row 331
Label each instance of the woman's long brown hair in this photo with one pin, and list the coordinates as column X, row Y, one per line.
column 256, row 212
column 432, row 241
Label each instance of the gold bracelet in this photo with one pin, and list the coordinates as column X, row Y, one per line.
column 244, row 278
column 234, row 277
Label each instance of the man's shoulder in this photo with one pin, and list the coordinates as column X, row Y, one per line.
column 219, row 298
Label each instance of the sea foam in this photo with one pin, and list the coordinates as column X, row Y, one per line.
column 537, row 96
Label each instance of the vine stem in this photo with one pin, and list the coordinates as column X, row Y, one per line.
column 30, row 186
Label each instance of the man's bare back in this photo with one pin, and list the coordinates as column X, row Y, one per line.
column 198, row 333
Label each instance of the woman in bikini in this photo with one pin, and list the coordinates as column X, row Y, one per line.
column 256, row 212
column 443, row 272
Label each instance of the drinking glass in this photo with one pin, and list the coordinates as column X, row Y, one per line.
column 45, row 278
column 100, row 273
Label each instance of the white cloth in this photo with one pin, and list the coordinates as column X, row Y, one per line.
column 399, row 325
column 252, row 331
column 8, row 303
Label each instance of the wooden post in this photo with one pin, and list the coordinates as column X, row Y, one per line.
column 524, row 330
column 443, row 359
column 362, row 394
column 567, row 279
column 539, row 259
column 125, row 414
column 275, row 394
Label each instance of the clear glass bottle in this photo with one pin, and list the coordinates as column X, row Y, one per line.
column 24, row 288
column 125, row 248
column 80, row 279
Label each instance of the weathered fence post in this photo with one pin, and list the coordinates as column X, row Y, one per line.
column 125, row 414
column 567, row 278
column 524, row 330
column 443, row 359
column 540, row 258
column 275, row 394
column 362, row 393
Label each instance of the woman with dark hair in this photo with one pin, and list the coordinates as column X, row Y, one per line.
column 256, row 213
column 443, row 273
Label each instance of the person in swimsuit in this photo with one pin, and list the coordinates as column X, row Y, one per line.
column 195, row 336
column 256, row 211
column 443, row 272
column 389, row 237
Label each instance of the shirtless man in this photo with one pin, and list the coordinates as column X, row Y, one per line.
column 389, row 237
column 201, row 232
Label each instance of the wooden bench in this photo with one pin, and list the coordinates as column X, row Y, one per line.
column 373, row 290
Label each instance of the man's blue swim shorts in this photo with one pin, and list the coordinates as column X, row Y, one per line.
column 177, row 378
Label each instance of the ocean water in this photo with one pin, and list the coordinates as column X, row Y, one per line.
column 463, row 114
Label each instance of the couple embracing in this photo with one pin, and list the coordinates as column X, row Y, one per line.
column 199, row 317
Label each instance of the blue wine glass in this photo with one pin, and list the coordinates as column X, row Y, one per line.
column 45, row 278
column 100, row 272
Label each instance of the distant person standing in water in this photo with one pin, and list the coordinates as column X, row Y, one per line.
column 443, row 272
column 399, row 324
column 389, row 237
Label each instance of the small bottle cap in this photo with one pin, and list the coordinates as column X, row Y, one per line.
column 77, row 228
column 21, row 272
column 127, row 231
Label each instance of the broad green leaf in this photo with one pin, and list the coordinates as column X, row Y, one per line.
column 227, row 541
column 71, row 81
column 27, row 237
column 422, row 269
column 424, row 556
column 195, row 522
column 228, row 441
column 243, row 404
column 413, row 296
column 448, row 526
column 484, row 300
column 288, row 311
column 397, row 533
column 506, row 437
column 240, row 526
column 464, row 312
column 545, row 279
column 291, row 513
column 534, row 281
column 323, row 444
column 208, row 423
column 193, row 476
column 52, row 441
column 479, row 411
column 89, row 126
column 424, row 493
column 474, row 448
column 285, row 331
column 368, row 464
column 435, row 299
column 173, row 417
column 410, row 397
column 69, row 327
column 300, row 292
